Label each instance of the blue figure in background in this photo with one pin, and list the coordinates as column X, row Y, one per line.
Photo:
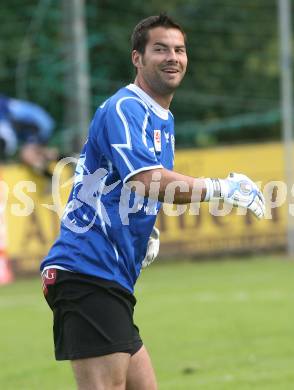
column 26, row 127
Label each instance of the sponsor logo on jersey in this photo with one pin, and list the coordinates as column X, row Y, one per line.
column 172, row 137
column 157, row 140
column 166, row 134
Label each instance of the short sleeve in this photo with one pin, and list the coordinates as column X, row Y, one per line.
column 130, row 138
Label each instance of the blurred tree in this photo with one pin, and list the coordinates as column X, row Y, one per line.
column 233, row 59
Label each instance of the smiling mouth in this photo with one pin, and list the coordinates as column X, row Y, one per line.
column 171, row 71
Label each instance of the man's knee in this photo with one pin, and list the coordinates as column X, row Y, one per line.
column 103, row 373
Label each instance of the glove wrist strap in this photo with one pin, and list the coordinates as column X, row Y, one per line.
column 215, row 189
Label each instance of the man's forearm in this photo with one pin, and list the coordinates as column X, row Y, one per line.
column 169, row 186
column 172, row 187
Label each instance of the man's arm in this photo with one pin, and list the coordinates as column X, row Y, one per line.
column 187, row 187
column 173, row 187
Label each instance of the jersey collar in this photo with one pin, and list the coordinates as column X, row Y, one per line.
column 154, row 106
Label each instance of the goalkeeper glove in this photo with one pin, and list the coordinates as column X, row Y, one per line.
column 238, row 190
column 152, row 248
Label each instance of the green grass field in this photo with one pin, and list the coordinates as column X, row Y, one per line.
column 210, row 325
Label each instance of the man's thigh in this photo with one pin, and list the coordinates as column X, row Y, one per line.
column 107, row 372
column 140, row 375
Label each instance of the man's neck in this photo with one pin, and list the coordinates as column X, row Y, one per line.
column 163, row 100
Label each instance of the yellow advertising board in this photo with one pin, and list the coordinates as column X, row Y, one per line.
column 32, row 225
column 206, row 234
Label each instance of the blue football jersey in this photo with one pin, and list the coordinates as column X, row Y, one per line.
column 106, row 226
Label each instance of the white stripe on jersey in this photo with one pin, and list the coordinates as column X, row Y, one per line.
column 145, row 123
column 128, row 145
column 99, row 209
column 159, row 166
column 56, row 267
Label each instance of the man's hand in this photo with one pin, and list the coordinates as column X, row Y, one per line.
column 152, row 248
column 238, row 190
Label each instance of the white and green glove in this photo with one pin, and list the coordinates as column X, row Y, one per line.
column 152, row 248
column 238, row 190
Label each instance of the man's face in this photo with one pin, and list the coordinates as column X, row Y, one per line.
column 164, row 63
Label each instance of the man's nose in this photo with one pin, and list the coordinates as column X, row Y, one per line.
column 172, row 55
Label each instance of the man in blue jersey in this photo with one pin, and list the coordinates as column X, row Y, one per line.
column 107, row 232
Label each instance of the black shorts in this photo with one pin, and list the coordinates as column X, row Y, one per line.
column 92, row 316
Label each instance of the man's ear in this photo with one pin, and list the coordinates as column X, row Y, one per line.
column 137, row 59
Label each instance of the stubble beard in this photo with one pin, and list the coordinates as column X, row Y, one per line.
column 162, row 86
column 159, row 84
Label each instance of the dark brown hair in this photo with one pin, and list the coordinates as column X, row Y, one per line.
column 140, row 34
